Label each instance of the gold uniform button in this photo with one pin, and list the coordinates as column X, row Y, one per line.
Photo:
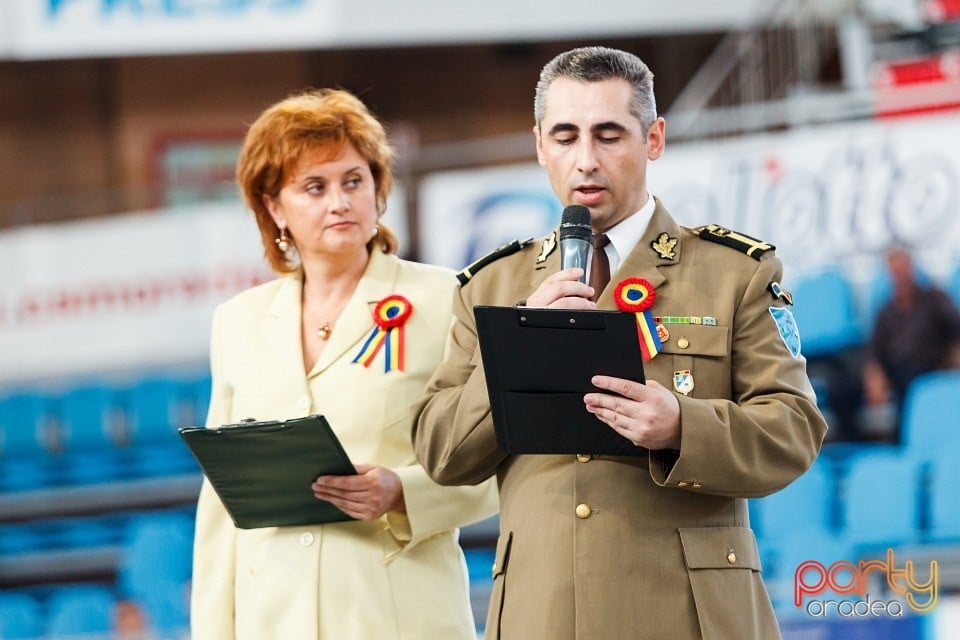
column 583, row 511
column 732, row 558
column 584, row 457
column 683, row 343
column 696, row 485
column 681, row 484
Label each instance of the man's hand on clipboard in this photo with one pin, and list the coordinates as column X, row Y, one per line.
column 648, row 415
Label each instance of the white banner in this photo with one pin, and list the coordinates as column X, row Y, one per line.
column 131, row 291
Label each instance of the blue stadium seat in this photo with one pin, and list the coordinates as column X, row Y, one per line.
column 26, row 459
column 155, row 567
column 198, row 390
column 953, row 286
column 930, row 412
column 77, row 610
column 21, row 617
column 81, row 532
column 880, row 500
column 806, row 503
column 943, row 521
column 20, row 537
column 155, row 408
column 480, row 563
column 825, row 312
column 480, row 573
column 789, row 552
column 89, row 426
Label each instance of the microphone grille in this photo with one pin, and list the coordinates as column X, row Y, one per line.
column 575, row 222
column 576, row 214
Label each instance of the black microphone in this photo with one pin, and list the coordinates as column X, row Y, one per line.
column 575, row 238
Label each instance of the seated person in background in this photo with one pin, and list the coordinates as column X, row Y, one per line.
column 915, row 332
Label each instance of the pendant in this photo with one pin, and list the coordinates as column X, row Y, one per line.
column 324, row 331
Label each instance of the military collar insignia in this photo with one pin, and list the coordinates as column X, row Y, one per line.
column 664, row 245
column 549, row 244
column 779, row 293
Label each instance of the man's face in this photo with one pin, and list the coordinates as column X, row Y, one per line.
column 594, row 149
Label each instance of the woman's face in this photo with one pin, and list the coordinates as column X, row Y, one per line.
column 328, row 206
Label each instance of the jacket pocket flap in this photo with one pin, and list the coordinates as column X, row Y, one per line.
column 720, row 548
column 699, row 339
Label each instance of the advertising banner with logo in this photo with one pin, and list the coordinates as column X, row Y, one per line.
column 830, row 195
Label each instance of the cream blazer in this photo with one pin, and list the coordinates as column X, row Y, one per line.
column 402, row 576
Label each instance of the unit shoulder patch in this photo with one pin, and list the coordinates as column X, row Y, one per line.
column 779, row 293
column 465, row 274
column 787, row 328
column 735, row 240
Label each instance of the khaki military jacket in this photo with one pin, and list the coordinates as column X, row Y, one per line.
column 645, row 548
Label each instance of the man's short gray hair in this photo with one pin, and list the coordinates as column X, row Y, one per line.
column 592, row 64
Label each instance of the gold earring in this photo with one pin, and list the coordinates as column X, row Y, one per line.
column 282, row 242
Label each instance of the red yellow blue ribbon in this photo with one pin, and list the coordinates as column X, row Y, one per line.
column 389, row 316
column 637, row 296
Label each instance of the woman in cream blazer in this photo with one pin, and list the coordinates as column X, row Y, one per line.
column 315, row 171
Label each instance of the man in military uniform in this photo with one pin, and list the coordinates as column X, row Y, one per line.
column 656, row 546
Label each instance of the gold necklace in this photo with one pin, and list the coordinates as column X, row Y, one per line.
column 324, row 331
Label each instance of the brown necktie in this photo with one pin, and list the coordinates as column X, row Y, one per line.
column 600, row 265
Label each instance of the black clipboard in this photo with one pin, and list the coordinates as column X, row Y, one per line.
column 538, row 364
column 262, row 471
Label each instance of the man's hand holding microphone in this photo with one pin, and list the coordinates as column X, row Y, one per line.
column 647, row 415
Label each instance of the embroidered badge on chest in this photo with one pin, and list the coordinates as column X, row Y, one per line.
column 683, row 381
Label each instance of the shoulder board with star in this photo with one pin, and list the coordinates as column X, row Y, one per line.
column 735, row 240
column 471, row 269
